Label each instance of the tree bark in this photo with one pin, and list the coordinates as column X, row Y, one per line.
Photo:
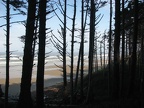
column 109, row 56
column 116, row 82
column 41, row 55
column 134, row 54
column 123, row 49
column 78, row 65
column 104, row 52
column 82, row 46
column 7, row 52
column 91, row 50
column 72, row 50
column 64, row 45
column 101, row 58
column 25, row 100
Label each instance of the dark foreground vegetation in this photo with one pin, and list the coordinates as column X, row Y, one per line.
column 119, row 83
column 57, row 96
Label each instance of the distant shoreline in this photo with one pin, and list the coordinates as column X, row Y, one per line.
column 14, row 89
column 52, row 77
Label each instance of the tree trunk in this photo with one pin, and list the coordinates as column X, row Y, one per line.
column 123, row 49
column 109, row 56
column 91, row 49
column 7, row 53
column 116, row 82
column 80, row 50
column 96, row 58
column 41, row 56
column 82, row 46
column 134, row 55
column 78, row 65
column 72, row 50
column 101, row 55
column 35, row 35
column 64, row 45
column 142, row 71
column 25, row 100
column 104, row 52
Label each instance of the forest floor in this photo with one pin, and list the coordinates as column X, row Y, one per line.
column 57, row 96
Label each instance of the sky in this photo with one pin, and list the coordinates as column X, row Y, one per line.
column 18, row 30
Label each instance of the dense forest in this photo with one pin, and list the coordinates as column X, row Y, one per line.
column 115, row 73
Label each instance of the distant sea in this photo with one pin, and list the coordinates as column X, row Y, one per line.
column 16, row 63
column 16, row 69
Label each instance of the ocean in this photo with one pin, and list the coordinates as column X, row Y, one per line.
column 15, row 69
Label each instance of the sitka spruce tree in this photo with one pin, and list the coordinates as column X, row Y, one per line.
column 41, row 55
column 25, row 100
column 116, row 81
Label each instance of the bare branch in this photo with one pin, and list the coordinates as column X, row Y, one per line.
column 58, row 66
column 10, row 15
column 99, row 20
column 12, row 23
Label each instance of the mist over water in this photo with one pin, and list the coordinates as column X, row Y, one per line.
column 50, row 63
column 16, row 64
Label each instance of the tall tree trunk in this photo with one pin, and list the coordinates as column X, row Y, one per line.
column 91, row 49
column 123, row 48
column 104, row 52
column 142, row 71
column 80, row 51
column 72, row 50
column 64, row 45
column 25, row 100
column 101, row 55
column 126, row 47
column 109, row 56
column 7, row 53
column 134, row 55
column 82, row 46
column 116, row 82
column 78, row 65
column 96, row 58
column 41, row 56
column 35, row 34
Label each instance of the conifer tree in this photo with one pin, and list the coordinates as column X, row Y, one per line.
column 25, row 100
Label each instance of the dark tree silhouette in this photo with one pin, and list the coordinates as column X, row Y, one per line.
column 25, row 99
column 91, row 50
column 81, row 53
column 101, row 58
column 64, row 44
column 96, row 52
column 41, row 55
column 110, row 48
column 7, row 52
column 104, row 49
column 123, row 48
column 82, row 46
column 116, row 77
column 60, row 43
column 77, row 69
column 134, row 51
column 72, row 50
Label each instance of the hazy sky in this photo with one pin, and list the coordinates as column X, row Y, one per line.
column 17, row 30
